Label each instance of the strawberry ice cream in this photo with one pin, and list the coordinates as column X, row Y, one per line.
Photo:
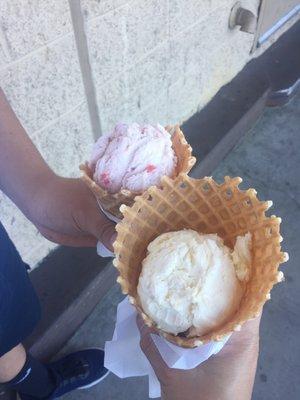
column 132, row 157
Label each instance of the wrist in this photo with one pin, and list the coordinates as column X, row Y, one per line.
column 42, row 191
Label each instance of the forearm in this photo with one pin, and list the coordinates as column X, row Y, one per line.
column 64, row 210
column 23, row 169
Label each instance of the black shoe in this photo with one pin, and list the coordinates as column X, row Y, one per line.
column 80, row 370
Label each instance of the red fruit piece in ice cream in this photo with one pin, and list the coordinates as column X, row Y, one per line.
column 150, row 168
column 104, row 177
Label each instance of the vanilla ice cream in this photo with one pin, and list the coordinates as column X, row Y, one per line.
column 132, row 157
column 241, row 256
column 189, row 280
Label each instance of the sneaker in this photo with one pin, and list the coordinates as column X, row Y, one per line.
column 80, row 370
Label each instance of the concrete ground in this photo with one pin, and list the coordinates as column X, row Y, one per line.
column 268, row 159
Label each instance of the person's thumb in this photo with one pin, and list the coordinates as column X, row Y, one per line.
column 104, row 230
column 150, row 350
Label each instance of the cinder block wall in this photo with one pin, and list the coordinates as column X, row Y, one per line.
column 141, row 60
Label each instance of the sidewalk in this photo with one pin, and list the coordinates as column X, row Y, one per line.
column 268, row 159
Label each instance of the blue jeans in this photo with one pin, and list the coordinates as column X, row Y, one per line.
column 19, row 305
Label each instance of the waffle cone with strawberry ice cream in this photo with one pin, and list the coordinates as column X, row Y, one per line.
column 132, row 158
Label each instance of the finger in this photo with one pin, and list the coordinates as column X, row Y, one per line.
column 143, row 328
column 97, row 224
column 251, row 328
column 105, row 231
column 68, row 240
column 149, row 348
column 248, row 336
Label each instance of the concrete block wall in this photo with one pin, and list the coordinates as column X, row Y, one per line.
column 41, row 76
column 135, row 60
column 164, row 59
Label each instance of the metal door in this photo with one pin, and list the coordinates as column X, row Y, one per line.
column 273, row 14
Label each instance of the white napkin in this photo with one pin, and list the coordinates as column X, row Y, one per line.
column 103, row 251
column 124, row 357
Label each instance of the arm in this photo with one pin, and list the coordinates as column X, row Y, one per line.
column 228, row 375
column 23, row 168
column 63, row 209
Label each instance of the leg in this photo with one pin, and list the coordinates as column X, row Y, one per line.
column 28, row 376
column 35, row 380
column 19, row 314
column 12, row 363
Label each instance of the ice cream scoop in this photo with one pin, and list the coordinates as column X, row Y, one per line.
column 132, row 157
column 189, row 281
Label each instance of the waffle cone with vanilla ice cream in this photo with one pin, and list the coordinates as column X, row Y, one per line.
column 198, row 258
column 130, row 159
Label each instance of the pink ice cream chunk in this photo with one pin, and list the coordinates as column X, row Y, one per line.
column 132, row 157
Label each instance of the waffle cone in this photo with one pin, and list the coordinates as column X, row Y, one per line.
column 207, row 207
column 112, row 202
